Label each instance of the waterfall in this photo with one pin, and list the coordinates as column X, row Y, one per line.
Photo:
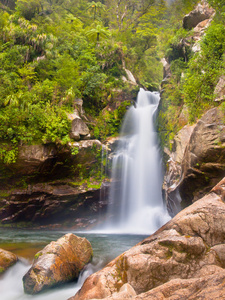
column 135, row 198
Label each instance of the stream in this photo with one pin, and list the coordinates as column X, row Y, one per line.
column 26, row 243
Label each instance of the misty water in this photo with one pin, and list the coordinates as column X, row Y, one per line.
column 26, row 243
column 135, row 200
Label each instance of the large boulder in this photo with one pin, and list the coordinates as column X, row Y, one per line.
column 79, row 128
column 173, row 174
column 203, row 163
column 183, row 260
column 7, row 259
column 34, row 158
column 57, row 263
column 199, row 14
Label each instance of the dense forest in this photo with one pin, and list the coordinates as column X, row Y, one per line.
column 55, row 51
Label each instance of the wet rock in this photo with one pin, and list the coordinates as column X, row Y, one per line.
column 199, row 14
column 57, row 263
column 183, row 260
column 7, row 259
column 51, row 204
column 180, row 142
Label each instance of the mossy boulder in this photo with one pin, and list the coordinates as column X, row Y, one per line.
column 59, row 262
column 7, row 259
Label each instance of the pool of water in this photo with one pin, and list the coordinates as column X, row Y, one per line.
column 26, row 243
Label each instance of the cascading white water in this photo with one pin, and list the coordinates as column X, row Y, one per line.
column 135, row 199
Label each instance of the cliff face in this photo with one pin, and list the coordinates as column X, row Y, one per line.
column 195, row 161
column 53, row 185
column 193, row 172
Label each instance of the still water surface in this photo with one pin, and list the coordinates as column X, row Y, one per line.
column 26, row 243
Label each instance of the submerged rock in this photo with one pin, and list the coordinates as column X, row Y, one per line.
column 57, row 263
column 7, row 259
column 183, row 260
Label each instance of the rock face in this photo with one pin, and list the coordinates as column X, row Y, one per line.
column 203, row 162
column 7, row 259
column 199, row 14
column 58, row 205
column 49, row 193
column 220, row 89
column 34, row 158
column 57, row 263
column 79, row 129
column 173, row 174
column 183, row 260
column 199, row 19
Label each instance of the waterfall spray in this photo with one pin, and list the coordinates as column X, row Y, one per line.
column 135, row 200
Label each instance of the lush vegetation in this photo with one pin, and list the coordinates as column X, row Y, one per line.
column 53, row 52
column 189, row 92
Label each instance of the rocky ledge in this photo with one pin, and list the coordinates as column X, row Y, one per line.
column 52, row 205
column 185, row 259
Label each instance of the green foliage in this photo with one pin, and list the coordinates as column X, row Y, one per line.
column 108, row 123
column 219, row 6
column 74, row 150
column 96, row 8
column 213, row 45
column 204, row 71
column 97, row 32
column 52, row 52
column 190, row 89
column 8, row 154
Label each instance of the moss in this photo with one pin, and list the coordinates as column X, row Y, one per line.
column 4, row 194
column 121, row 269
column 37, row 255
column 1, row 270
column 169, row 253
